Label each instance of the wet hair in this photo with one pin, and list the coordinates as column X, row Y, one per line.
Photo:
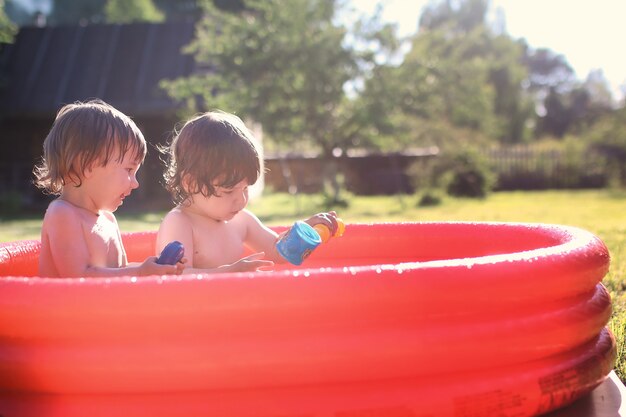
column 212, row 149
column 84, row 134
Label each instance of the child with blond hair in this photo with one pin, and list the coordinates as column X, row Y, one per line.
column 212, row 162
column 90, row 160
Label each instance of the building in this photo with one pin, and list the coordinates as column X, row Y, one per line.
column 47, row 67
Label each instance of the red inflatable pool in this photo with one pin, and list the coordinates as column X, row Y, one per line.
column 393, row 319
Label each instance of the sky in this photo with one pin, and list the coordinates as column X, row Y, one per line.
column 590, row 34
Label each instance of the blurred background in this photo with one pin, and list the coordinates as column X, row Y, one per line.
column 345, row 97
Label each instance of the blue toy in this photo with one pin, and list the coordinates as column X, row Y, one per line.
column 298, row 243
column 171, row 254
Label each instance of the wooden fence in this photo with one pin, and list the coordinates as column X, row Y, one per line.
column 516, row 168
column 532, row 168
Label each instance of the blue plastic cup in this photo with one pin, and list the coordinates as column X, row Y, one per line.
column 298, row 242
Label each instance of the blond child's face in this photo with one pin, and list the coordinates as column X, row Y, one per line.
column 225, row 204
column 109, row 185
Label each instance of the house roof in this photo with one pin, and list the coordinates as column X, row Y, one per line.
column 121, row 64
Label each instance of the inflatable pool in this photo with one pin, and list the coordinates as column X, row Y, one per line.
column 393, row 319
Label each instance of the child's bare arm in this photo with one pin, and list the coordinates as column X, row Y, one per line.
column 261, row 238
column 175, row 226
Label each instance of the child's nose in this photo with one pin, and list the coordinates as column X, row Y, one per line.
column 134, row 183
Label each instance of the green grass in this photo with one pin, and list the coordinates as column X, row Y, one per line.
column 601, row 212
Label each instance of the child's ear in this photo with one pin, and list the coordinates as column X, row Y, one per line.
column 185, row 183
column 75, row 176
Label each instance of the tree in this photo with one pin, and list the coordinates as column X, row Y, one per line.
column 127, row 11
column 548, row 70
column 72, row 12
column 282, row 64
column 557, row 117
column 608, row 136
column 181, row 9
column 459, row 17
column 100, row 11
column 459, row 73
column 575, row 108
column 8, row 29
column 590, row 101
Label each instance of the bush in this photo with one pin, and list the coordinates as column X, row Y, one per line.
column 461, row 173
column 430, row 198
column 608, row 137
column 466, row 173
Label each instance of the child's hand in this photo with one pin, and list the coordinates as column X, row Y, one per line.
column 252, row 262
column 151, row 267
column 327, row 219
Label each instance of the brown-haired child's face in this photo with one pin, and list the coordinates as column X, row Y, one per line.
column 226, row 203
column 108, row 185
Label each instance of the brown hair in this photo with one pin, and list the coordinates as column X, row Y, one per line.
column 211, row 148
column 84, row 134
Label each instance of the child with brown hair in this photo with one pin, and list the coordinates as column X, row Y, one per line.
column 211, row 163
column 90, row 160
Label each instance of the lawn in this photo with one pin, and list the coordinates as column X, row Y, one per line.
column 601, row 212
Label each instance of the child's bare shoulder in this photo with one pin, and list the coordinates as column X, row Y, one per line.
column 176, row 217
column 60, row 209
column 245, row 216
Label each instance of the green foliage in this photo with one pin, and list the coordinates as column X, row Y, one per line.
column 457, row 72
column 72, row 12
column 281, row 63
column 284, row 65
column 430, row 198
column 8, row 29
column 121, row 11
column 608, row 137
column 127, row 11
column 465, row 173
column 459, row 17
column 316, row 85
column 460, row 172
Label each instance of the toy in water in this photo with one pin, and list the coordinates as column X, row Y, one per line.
column 325, row 232
column 171, row 254
column 298, row 242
